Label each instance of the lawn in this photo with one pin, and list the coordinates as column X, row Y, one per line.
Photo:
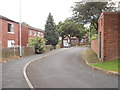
column 112, row 65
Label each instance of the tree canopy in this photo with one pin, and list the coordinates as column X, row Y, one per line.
column 89, row 12
column 70, row 29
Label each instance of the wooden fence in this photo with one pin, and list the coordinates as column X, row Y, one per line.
column 7, row 53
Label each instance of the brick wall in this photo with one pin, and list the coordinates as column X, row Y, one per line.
column 25, row 32
column 94, row 45
column 8, row 36
column 109, row 27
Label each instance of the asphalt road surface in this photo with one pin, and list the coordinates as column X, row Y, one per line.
column 67, row 70
column 12, row 71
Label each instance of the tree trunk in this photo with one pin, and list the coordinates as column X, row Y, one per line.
column 62, row 41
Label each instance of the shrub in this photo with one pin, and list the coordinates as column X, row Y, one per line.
column 38, row 43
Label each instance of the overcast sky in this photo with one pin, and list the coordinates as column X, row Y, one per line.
column 35, row 12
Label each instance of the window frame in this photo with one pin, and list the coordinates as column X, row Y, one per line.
column 11, row 28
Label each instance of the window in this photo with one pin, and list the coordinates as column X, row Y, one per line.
column 38, row 34
column 10, row 28
column 11, row 43
column 34, row 33
column 30, row 33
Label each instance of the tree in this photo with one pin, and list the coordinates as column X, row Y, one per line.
column 51, row 34
column 70, row 28
column 89, row 12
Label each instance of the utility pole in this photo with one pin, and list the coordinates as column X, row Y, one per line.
column 20, row 32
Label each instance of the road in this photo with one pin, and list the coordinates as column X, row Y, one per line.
column 67, row 70
column 12, row 71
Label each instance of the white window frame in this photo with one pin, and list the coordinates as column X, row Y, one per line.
column 39, row 34
column 12, row 28
column 30, row 33
column 35, row 33
column 11, row 43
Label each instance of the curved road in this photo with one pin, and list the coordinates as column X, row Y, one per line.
column 67, row 70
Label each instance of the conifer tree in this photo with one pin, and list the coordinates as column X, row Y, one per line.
column 51, row 34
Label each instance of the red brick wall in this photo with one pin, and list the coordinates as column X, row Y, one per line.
column 5, row 36
column 94, row 46
column 8, row 36
column 109, row 25
column 25, row 32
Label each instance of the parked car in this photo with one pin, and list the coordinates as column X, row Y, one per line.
column 66, row 45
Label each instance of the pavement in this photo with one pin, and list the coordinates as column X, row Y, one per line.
column 67, row 69
column 12, row 71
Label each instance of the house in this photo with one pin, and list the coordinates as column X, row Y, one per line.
column 8, row 32
column 109, row 36
column 30, row 32
column 35, row 32
column 72, row 40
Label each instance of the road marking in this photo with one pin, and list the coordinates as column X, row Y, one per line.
column 25, row 68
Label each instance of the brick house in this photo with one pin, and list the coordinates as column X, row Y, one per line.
column 30, row 32
column 8, row 32
column 109, row 36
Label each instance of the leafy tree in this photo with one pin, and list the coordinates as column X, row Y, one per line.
column 38, row 44
column 84, row 12
column 51, row 34
column 24, row 23
column 70, row 28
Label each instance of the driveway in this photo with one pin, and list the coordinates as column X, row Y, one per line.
column 67, row 70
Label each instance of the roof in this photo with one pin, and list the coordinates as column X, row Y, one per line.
column 30, row 27
column 37, row 29
column 7, row 19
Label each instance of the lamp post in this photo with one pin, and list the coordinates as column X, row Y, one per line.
column 20, row 32
column 89, row 31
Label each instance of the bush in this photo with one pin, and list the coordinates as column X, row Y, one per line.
column 38, row 43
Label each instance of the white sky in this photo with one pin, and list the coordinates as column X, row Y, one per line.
column 35, row 12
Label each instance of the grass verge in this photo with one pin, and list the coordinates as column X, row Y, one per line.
column 112, row 65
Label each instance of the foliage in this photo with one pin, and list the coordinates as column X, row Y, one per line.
column 38, row 43
column 89, row 12
column 70, row 28
column 24, row 23
column 94, row 37
column 51, row 34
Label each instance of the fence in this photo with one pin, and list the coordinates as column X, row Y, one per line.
column 7, row 53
